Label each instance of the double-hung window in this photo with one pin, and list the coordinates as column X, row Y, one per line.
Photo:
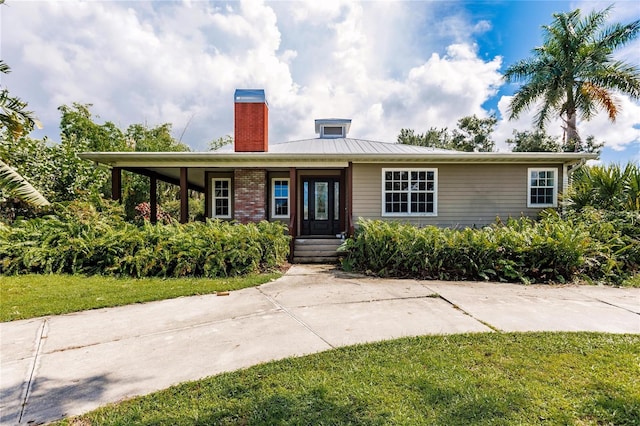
column 409, row 192
column 542, row 188
column 280, row 198
column 221, row 198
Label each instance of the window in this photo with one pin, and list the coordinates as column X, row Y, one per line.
column 221, row 198
column 333, row 131
column 409, row 192
column 542, row 188
column 280, row 197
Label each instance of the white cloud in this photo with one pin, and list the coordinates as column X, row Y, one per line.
column 386, row 65
column 619, row 135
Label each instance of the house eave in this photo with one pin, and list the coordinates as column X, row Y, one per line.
column 266, row 159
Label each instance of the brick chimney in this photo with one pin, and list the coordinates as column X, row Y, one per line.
column 251, row 121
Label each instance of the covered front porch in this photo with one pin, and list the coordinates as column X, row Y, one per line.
column 314, row 201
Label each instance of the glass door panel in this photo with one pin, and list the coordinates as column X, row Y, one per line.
column 322, row 201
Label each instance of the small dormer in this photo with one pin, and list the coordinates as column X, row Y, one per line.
column 331, row 128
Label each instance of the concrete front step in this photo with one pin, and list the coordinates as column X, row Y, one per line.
column 316, row 250
column 310, row 259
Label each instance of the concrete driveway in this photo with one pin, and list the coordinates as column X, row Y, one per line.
column 61, row 366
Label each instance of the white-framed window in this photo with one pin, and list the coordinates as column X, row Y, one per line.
column 409, row 192
column 280, row 197
column 221, row 198
column 542, row 187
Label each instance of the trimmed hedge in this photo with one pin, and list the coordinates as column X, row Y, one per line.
column 589, row 245
column 81, row 240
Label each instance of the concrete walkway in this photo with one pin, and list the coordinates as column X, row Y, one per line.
column 60, row 366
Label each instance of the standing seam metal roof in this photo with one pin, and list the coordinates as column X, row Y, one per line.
column 348, row 146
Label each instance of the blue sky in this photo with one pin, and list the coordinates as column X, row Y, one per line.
column 386, row 65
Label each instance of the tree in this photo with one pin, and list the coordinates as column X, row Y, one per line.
column 533, row 141
column 574, row 71
column 77, row 123
column 144, row 139
column 473, row 134
column 590, row 144
column 216, row 144
column 13, row 114
column 433, row 138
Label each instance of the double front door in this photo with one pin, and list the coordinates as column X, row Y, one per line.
column 321, row 206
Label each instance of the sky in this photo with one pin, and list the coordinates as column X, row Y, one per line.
column 386, row 65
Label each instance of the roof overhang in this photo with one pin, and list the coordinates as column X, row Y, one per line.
column 267, row 159
column 166, row 165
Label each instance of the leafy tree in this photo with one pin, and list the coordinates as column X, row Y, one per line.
column 433, row 138
column 590, row 144
column 77, row 123
column 216, row 144
column 78, row 127
column 55, row 170
column 533, row 141
column 144, row 139
column 574, row 71
column 473, row 134
column 13, row 114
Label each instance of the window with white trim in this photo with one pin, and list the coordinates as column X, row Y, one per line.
column 409, row 192
column 280, row 198
column 221, row 198
column 542, row 188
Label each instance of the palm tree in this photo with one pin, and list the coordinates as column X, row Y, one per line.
column 13, row 115
column 574, row 71
column 17, row 186
column 606, row 187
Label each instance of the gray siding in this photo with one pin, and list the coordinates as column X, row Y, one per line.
column 468, row 194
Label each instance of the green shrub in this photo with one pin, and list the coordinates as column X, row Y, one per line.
column 609, row 187
column 595, row 245
column 80, row 238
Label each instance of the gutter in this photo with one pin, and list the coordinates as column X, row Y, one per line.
column 208, row 159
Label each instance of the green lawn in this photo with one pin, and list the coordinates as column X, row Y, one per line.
column 28, row 296
column 480, row 379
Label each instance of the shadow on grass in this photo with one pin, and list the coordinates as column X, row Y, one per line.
column 611, row 407
column 314, row 407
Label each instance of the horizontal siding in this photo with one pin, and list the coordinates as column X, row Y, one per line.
column 468, row 194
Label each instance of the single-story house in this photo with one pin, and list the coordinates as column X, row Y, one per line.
column 320, row 187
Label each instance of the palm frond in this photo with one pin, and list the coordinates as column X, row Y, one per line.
column 618, row 35
column 595, row 95
column 17, row 186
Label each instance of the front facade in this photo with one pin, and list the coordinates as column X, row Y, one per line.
column 320, row 187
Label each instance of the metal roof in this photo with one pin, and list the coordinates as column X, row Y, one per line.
column 347, row 146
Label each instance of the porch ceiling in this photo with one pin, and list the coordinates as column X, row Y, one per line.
column 195, row 176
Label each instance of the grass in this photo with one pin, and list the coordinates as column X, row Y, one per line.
column 28, row 296
column 479, row 379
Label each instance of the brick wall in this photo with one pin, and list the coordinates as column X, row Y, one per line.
column 250, row 194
